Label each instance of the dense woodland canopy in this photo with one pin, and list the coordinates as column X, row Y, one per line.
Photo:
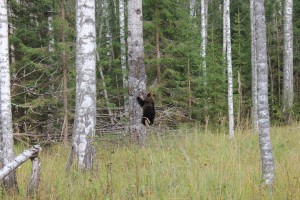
column 36, row 47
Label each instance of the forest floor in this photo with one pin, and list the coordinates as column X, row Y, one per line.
column 186, row 165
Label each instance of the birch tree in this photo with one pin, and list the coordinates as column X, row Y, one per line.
column 203, row 36
column 229, row 66
column 11, row 29
column 253, row 69
column 65, row 128
column 136, row 74
column 262, row 92
column 50, row 31
column 192, row 8
column 123, row 52
column 6, row 132
column 288, row 92
column 85, row 111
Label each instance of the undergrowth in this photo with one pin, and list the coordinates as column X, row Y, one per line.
column 182, row 165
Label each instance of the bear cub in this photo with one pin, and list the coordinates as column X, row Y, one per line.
column 148, row 108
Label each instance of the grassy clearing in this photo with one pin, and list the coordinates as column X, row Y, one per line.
column 190, row 165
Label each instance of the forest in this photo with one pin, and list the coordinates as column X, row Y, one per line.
column 223, row 75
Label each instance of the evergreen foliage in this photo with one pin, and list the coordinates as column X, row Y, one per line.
column 37, row 73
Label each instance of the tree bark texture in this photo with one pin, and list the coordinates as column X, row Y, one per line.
column 35, row 176
column 229, row 68
column 136, row 74
column 123, row 53
column 253, row 69
column 6, row 134
column 17, row 161
column 85, row 111
column 262, row 91
column 50, row 31
column 11, row 29
column 288, row 92
column 203, row 37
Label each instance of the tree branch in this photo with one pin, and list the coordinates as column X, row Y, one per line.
column 27, row 154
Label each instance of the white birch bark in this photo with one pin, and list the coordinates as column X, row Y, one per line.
column 50, row 31
column 224, row 36
column 17, row 161
column 262, row 91
column 192, row 8
column 253, row 69
column 203, row 36
column 136, row 65
column 229, row 68
column 32, row 154
column 6, row 134
column 85, row 111
column 11, row 29
column 123, row 53
column 288, row 92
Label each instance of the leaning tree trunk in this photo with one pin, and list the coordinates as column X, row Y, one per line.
column 136, row 74
column 85, row 111
column 254, row 69
column 6, row 132
column 65, row 128
column 262, row 91
column 288, row 92
column 229, row 67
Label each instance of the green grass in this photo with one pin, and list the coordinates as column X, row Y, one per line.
column 192, row 165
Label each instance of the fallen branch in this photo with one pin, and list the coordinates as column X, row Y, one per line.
column 27, row 154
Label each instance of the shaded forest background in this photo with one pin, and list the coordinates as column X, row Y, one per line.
column 37, row 69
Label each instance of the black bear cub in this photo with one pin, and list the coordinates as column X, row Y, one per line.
column 148, row 108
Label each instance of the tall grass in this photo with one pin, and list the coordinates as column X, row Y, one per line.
column 185, row 165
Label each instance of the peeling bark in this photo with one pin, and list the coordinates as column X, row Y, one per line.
column 85, row 111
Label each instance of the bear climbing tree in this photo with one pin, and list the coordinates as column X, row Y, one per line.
column 148, row 109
